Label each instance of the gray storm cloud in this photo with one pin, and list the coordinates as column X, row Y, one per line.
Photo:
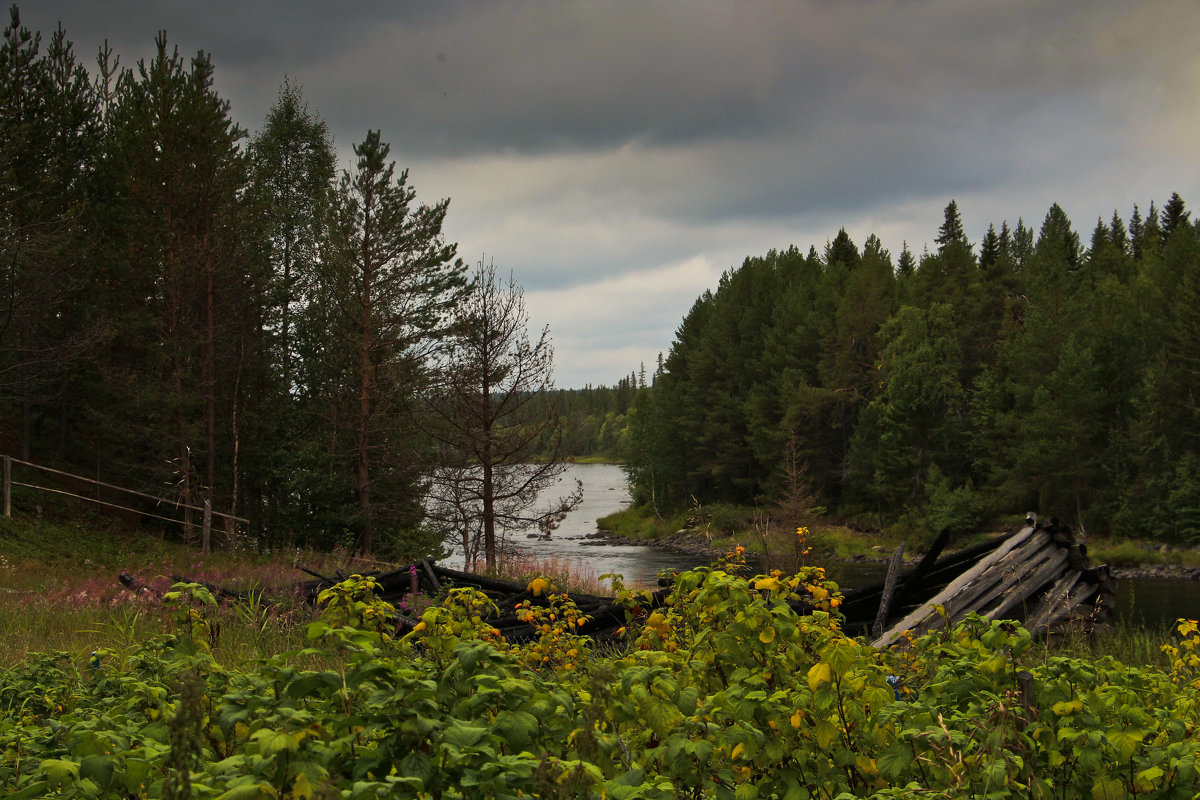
column 586, row 144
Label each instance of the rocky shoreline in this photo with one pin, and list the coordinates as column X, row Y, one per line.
column 691, row 543
column 1177, row 572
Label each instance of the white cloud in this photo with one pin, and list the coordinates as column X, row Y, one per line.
column 606, row 329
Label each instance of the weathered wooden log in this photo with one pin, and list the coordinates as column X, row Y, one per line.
column 433, row 578
column 1050, row 565
column 922, row 619
column 1056, row 604
column 889, row 589
column 1003, row 575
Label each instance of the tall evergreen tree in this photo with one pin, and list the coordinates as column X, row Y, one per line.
column 989, row 249
column 952, row 231
column 175, row 148
column 293, row 167
column 387, row 283
column 49, row 136
column 292, row 170
column 1174, row 215
column 916, row 422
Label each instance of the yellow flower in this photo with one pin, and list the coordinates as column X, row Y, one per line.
column 658, row 623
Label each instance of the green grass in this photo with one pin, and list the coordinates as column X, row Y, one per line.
column 59, row 587
column 639, row 523
column 1132, row 552
column 1127, row 641
column 727, row 526
column 60, row 590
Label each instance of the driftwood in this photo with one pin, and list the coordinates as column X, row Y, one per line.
column 395, row 586
column 889, row 590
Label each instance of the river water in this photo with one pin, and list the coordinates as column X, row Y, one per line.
column 605, row 491
column 1155, row 602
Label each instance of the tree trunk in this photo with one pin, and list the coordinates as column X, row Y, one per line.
column 489, row 515
column 210, row 375
column 363, row 473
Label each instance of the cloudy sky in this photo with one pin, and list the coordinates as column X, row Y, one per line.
column 618, row 155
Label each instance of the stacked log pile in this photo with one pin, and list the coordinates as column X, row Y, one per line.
column 1039, row 575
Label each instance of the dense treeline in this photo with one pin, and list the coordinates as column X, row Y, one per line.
column 1030, row 372
column 594, row 421
column 206, row 315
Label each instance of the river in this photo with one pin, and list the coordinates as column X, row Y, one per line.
column 1153, row 601
column 605, row 491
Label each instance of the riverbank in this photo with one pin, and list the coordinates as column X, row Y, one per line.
column 829, row 544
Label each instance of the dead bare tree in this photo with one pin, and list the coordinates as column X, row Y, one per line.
column 490, row 408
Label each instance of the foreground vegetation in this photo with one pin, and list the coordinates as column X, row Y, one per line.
column 724, row 693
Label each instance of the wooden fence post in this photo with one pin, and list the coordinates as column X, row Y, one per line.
column 8, row 486
column 206, row 528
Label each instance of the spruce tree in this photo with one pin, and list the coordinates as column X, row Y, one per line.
column 292, row 167
column 1174, row 215
column 952, row 231
column 292, row 170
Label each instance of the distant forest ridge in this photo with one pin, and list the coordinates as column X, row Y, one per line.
column 1028, row 371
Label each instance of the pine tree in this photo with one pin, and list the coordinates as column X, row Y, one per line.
column 49, row 147
column 174, row 147
column 386, row 286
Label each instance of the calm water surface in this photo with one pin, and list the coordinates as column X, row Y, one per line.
column 1155, row 602
column 605, row 491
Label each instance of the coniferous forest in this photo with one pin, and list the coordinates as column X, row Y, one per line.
column 1033, row 370
column 198, row 313
column 201, row 313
